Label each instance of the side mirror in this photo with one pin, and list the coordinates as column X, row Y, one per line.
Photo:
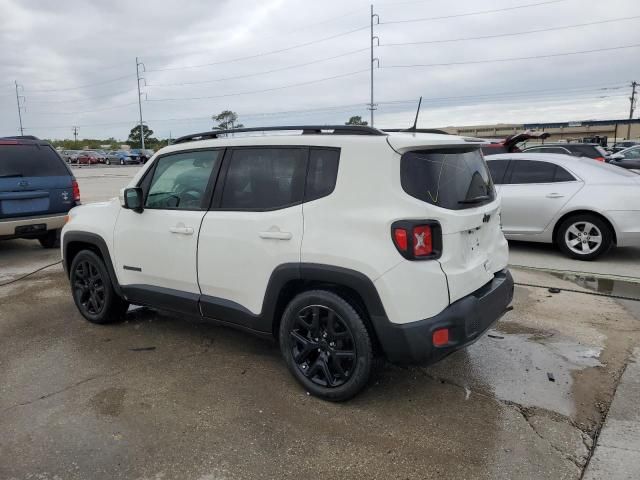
column 132, row 199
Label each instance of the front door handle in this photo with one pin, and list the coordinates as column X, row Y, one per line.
column 555, row 195
column 181, row 230
column 276, row 235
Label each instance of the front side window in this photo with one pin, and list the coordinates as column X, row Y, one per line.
column 632, row 153
column 452, row 178
column 180, row 180
column 264, row 178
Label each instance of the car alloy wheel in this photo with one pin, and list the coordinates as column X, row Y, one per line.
column 121, row 161
column 583, row 238
column 323, row 347
column 89, row 288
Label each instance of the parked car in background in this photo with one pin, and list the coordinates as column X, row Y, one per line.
column 589, row 150
column 37, row 189
column 100, row 154
column 628, row 158
column 121, row 157
column 141, row 154
column 69, row 156
column 510, row 144
column 619, row 146
column 87, row 157
column 583, row 207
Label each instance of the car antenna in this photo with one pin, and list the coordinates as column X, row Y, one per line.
column 415, row 122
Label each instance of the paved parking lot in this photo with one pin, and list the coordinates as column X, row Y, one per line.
column 164, row 397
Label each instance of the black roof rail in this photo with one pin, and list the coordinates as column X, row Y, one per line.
column 416, row 130
column 306, row 130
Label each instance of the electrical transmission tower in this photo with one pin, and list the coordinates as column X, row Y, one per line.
column 20, row 101
column 372, row 105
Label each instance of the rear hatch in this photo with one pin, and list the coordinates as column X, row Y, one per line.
column 456, row 181
column 34, row 180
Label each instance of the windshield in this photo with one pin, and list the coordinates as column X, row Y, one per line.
column 452, row 178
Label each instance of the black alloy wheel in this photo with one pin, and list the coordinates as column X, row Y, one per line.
column 323, row 347
column 93, row 291
column 326, row 345
column 88, row 287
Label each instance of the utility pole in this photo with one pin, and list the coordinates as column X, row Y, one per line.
column 75, row 137
column 634, row 84
column 138, row 65
column 372, row 105
column 20, row 107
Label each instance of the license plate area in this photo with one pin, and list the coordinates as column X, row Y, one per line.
column 30, row 229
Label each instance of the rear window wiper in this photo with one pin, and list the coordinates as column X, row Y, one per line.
column 9, row 175
column 478, row 199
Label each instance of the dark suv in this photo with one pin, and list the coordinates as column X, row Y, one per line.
column 589, row 150
column 37, row 189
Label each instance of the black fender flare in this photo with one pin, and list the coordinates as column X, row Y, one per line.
column 95, row 241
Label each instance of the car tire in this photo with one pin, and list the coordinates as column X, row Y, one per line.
column 107, row 162
column 93, row 291
column 326, row 345
column 584, row 237
column 121, row 161
column 51, row 239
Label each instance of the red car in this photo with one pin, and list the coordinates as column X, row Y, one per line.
column 88, row 158
column 510, row 144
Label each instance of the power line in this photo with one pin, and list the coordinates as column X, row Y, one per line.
column 258, row 91
column 473, row 62
column 112, row 107
column 350, row 107
column 499, row 35
column 236, row 77
column 81, row 86
column 263, row 54
column 469, row 14
column 86, row 99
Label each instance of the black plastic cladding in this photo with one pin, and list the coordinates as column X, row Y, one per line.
column 408, row 225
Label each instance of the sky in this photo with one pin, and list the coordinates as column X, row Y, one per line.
column 278, row 62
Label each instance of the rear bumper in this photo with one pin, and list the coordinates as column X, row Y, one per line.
column 8, row 226
column 467, row 319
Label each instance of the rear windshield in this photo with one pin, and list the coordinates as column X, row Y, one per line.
column 30, row 161
column 590, row 151
column 449, row 178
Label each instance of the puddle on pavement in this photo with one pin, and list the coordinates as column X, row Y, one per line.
column 518, row 367
column 607, row 286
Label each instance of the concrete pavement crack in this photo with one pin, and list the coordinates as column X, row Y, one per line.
column 208, row 345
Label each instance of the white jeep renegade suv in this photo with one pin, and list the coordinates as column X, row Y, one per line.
column 344, row 243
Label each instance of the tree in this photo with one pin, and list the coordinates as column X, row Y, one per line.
column 227, row 120
column 357, row 120
column 134, row 137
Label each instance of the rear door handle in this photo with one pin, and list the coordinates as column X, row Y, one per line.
column 276, row 235
column 181, row 230
column 555, row 195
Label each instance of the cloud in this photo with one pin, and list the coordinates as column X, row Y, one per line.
column 76, row 62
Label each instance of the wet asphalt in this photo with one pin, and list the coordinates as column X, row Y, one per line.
column 161, row 397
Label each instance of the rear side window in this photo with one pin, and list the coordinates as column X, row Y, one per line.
column 30, row 161
column 452, row 178
column 530, row 171
column 322, row 174
column 264, row 178
column 498, row 169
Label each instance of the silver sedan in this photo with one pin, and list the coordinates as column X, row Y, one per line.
column 582, row 206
